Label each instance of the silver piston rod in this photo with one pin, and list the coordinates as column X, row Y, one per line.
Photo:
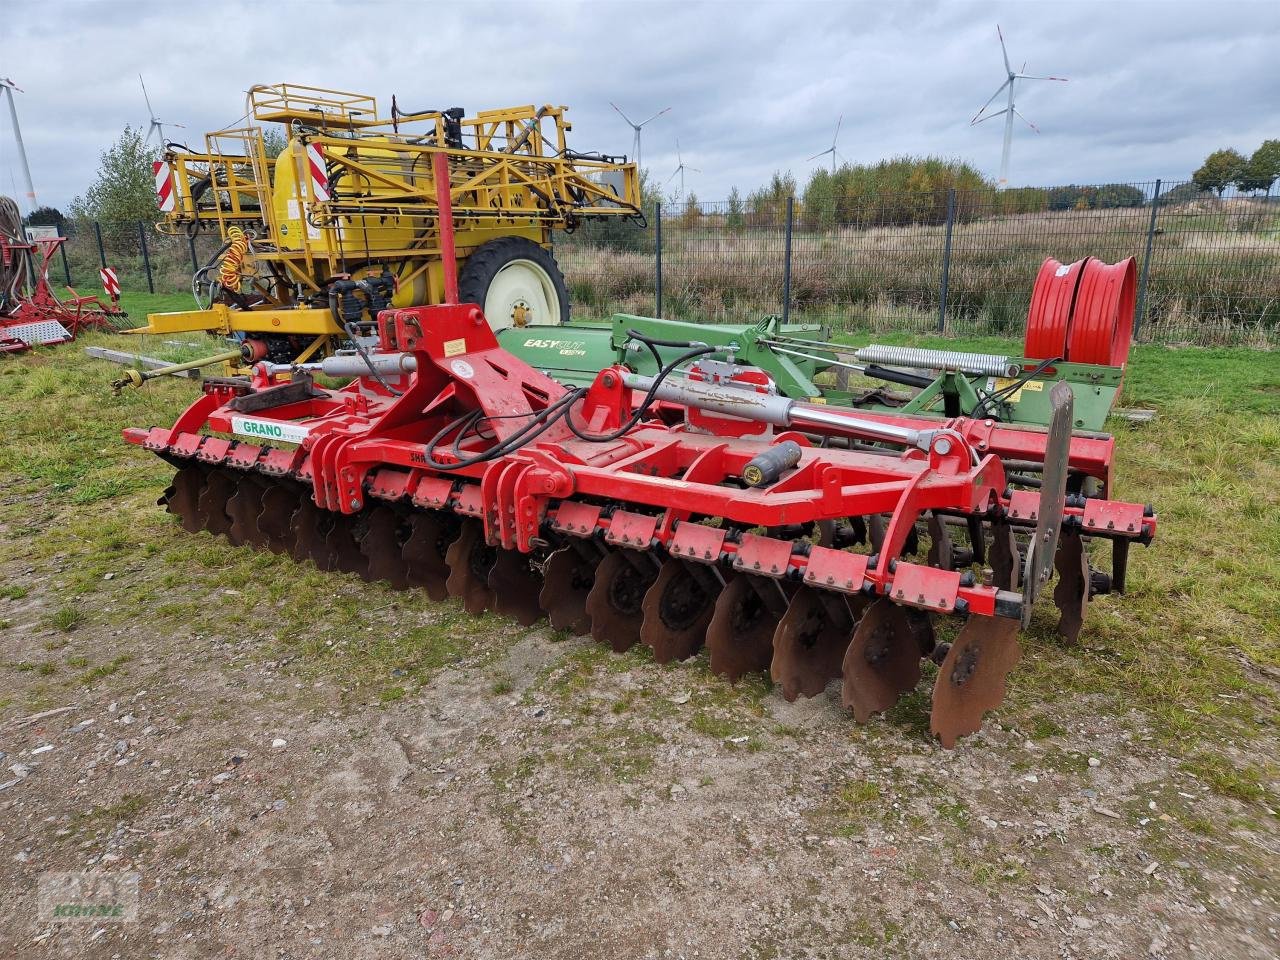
column 353, row 365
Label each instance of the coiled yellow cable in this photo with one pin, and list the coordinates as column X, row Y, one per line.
column 229, row 269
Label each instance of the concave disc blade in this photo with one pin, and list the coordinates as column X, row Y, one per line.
column 218, row 489
column 740, row 634
column 971, row 680
column 279, row 504
column 244, row 507
column 516, row 584
column 424, row 552
column 311, row 526
column 1006, row 562
column 182, row 499
column 1071, row 594
column 566, row 583
column 382, row 548
column 344, row 540
column 677, row 609
column 882, row 661
column 809, row 644
column 614, row 603
column 470, row 559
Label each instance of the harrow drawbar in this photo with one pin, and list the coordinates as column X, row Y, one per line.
column 659, row 518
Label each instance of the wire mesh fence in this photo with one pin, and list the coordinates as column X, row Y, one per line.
column 952, row 261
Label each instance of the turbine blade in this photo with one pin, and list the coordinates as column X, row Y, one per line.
column 1027, row 76
column 1025, row 120
column 150, row 111
column 989, row 116
column 656, row 115
column 822, row 154
column 1003, row 52
column 999, row 90
column 837, row 135
column 620, row 113
column 673, row 174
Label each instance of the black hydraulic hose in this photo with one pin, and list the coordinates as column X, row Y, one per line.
column 878, row 372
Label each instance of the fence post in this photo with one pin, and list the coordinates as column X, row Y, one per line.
column 195, row 264
column 102, row 252
column 146, row 257
column 1146, row 263
column 786, row 264
column 657, row 229
column 946, row 261
column 62, row 249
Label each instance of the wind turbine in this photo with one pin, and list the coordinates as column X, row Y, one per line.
column 1010, row 110
column 8, row 86
column 680, row 169
column 831, row 149
column 636, row 127
column 157, row 125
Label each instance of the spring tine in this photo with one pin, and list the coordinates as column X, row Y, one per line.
column 740, row 635
column 516, row 583
column 940, row 551
column 977, row 541
column 971, row 680
column 882, row 661
column 876, row 531
column 810, row 641
column 344, row 540
column 677, row 609
column 470, row 559
column 566, row 583
column 1071, row 595
column 243, row 507
column 614, row 603
column 1006, row 562
column 218, row 489
column 1119, row 564
column 182, row 498
column 279, row 504
column 311, row 526
column 382, row 547
column 424, row 553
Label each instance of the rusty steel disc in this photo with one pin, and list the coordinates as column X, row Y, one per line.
column 311, row 527
column 882, row 661
column 344, row 540
column 470, row 559
column 566, row 583
column 1071, row 594
column 677, row 609
column 616, row 597
column 382, row 545
column 424, row 552
column 212, row 506
column 810, row 641
column 516, row 584
column 740, row 634
column 243, row 508
column 279, row 504
column 182, row 498
column 971, row 680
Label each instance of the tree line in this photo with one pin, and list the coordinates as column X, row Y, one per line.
column 1229, row 167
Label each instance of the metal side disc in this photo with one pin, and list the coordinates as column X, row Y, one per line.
column 809, row 644
column 1053, row 497
column 244, row 507
column 344, row 540
column 882, row 661
column 677, row 609
column 971, row 680
column 516, row 584
column 382, row 545
column 311, row 527
column 1071, row 595
column 218, row 489
column 1005, row 560
column 279, row 504
column 614, row 603
column 740, row 635
column 566, row 583
column 470, row 559
column 424, row 553
column 182, row 499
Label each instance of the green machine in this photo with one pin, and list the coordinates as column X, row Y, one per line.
column 805, row 365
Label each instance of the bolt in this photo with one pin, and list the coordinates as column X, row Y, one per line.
column 355, row 504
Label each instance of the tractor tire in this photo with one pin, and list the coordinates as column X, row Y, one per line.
column 516, row 282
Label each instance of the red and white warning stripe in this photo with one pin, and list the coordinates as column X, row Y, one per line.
column 319, row 172
column 164, row 184
column 110, row 282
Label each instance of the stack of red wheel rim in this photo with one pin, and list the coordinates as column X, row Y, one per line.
column 1082, row 312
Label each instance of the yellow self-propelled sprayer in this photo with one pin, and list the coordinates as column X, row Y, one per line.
column 345, row 220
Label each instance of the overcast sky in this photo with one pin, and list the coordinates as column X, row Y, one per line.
column 754, row 87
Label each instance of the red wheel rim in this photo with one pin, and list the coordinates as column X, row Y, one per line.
column 1050, row 313
column 1101, row 328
